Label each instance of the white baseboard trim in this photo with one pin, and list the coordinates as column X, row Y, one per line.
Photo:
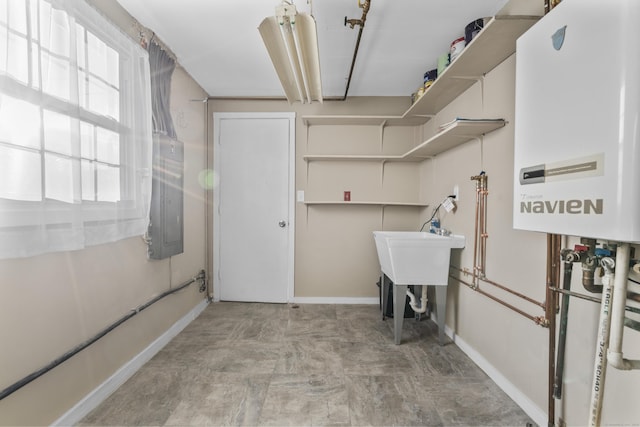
column 538, row 415
column 335, row 300
column 104, row 390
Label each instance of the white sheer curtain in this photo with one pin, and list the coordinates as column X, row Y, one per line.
column 75, row 129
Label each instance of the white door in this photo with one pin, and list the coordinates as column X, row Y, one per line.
column 253, row 206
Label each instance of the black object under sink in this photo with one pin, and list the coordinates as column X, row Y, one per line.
column 388, row 311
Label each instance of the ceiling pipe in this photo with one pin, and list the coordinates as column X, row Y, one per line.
column 352, row 23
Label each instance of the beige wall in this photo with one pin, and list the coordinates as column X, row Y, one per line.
column 334, row 251
column 51, row 303
column 515, row 346
column 335, row 255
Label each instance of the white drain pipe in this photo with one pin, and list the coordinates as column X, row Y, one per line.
column 600, row 364
column 619, row 301
column 423, row 301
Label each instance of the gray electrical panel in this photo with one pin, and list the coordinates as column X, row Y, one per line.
column 166, row 228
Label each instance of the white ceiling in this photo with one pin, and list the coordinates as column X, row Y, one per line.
column 218, row 43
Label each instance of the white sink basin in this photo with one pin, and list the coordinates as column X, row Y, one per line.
column 416, row 258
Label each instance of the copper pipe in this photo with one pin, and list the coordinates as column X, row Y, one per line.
column 483, row 233
column 504, row 288
column 475, row 234
column 481, row 228
column 498, row 300
column 479, row 243
column 524, row 297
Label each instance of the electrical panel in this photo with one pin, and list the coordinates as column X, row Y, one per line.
column 166, row 228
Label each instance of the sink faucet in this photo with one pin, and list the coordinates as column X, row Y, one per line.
column 444, row 232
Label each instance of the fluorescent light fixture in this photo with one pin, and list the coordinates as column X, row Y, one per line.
column 292, row 42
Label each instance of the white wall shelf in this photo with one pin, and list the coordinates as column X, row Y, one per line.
column 357, row 158
column 382, row 159
column 363, row 203
column 378, row 205
column 495, row 43
column 459, row 132
column 355, row 120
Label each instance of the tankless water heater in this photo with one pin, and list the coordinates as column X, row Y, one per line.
column 577, row 122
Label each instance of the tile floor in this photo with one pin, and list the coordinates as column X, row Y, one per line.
column 279, row 364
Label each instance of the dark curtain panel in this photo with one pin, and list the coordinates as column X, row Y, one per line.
column 162, row 66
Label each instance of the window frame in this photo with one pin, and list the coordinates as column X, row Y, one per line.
column 132, row 126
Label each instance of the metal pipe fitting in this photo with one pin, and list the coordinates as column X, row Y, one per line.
column 588, row 274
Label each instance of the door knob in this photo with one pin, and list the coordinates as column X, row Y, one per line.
column 282, row 223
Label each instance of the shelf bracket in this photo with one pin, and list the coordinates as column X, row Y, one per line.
column 383, row 163
column 382, row 126
column 477, row 79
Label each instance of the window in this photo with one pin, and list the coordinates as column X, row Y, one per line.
column 75, row 129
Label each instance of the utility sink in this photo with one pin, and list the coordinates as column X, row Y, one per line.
column 415, row 258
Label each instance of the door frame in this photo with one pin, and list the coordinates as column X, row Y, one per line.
column 217, row 118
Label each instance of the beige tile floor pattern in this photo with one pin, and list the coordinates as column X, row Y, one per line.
column 303, row 365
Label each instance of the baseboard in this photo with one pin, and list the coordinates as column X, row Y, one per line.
column 336, row 300
column 104, row 390
column 538, row 415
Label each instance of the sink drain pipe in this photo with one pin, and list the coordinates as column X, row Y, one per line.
column 422, row 308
